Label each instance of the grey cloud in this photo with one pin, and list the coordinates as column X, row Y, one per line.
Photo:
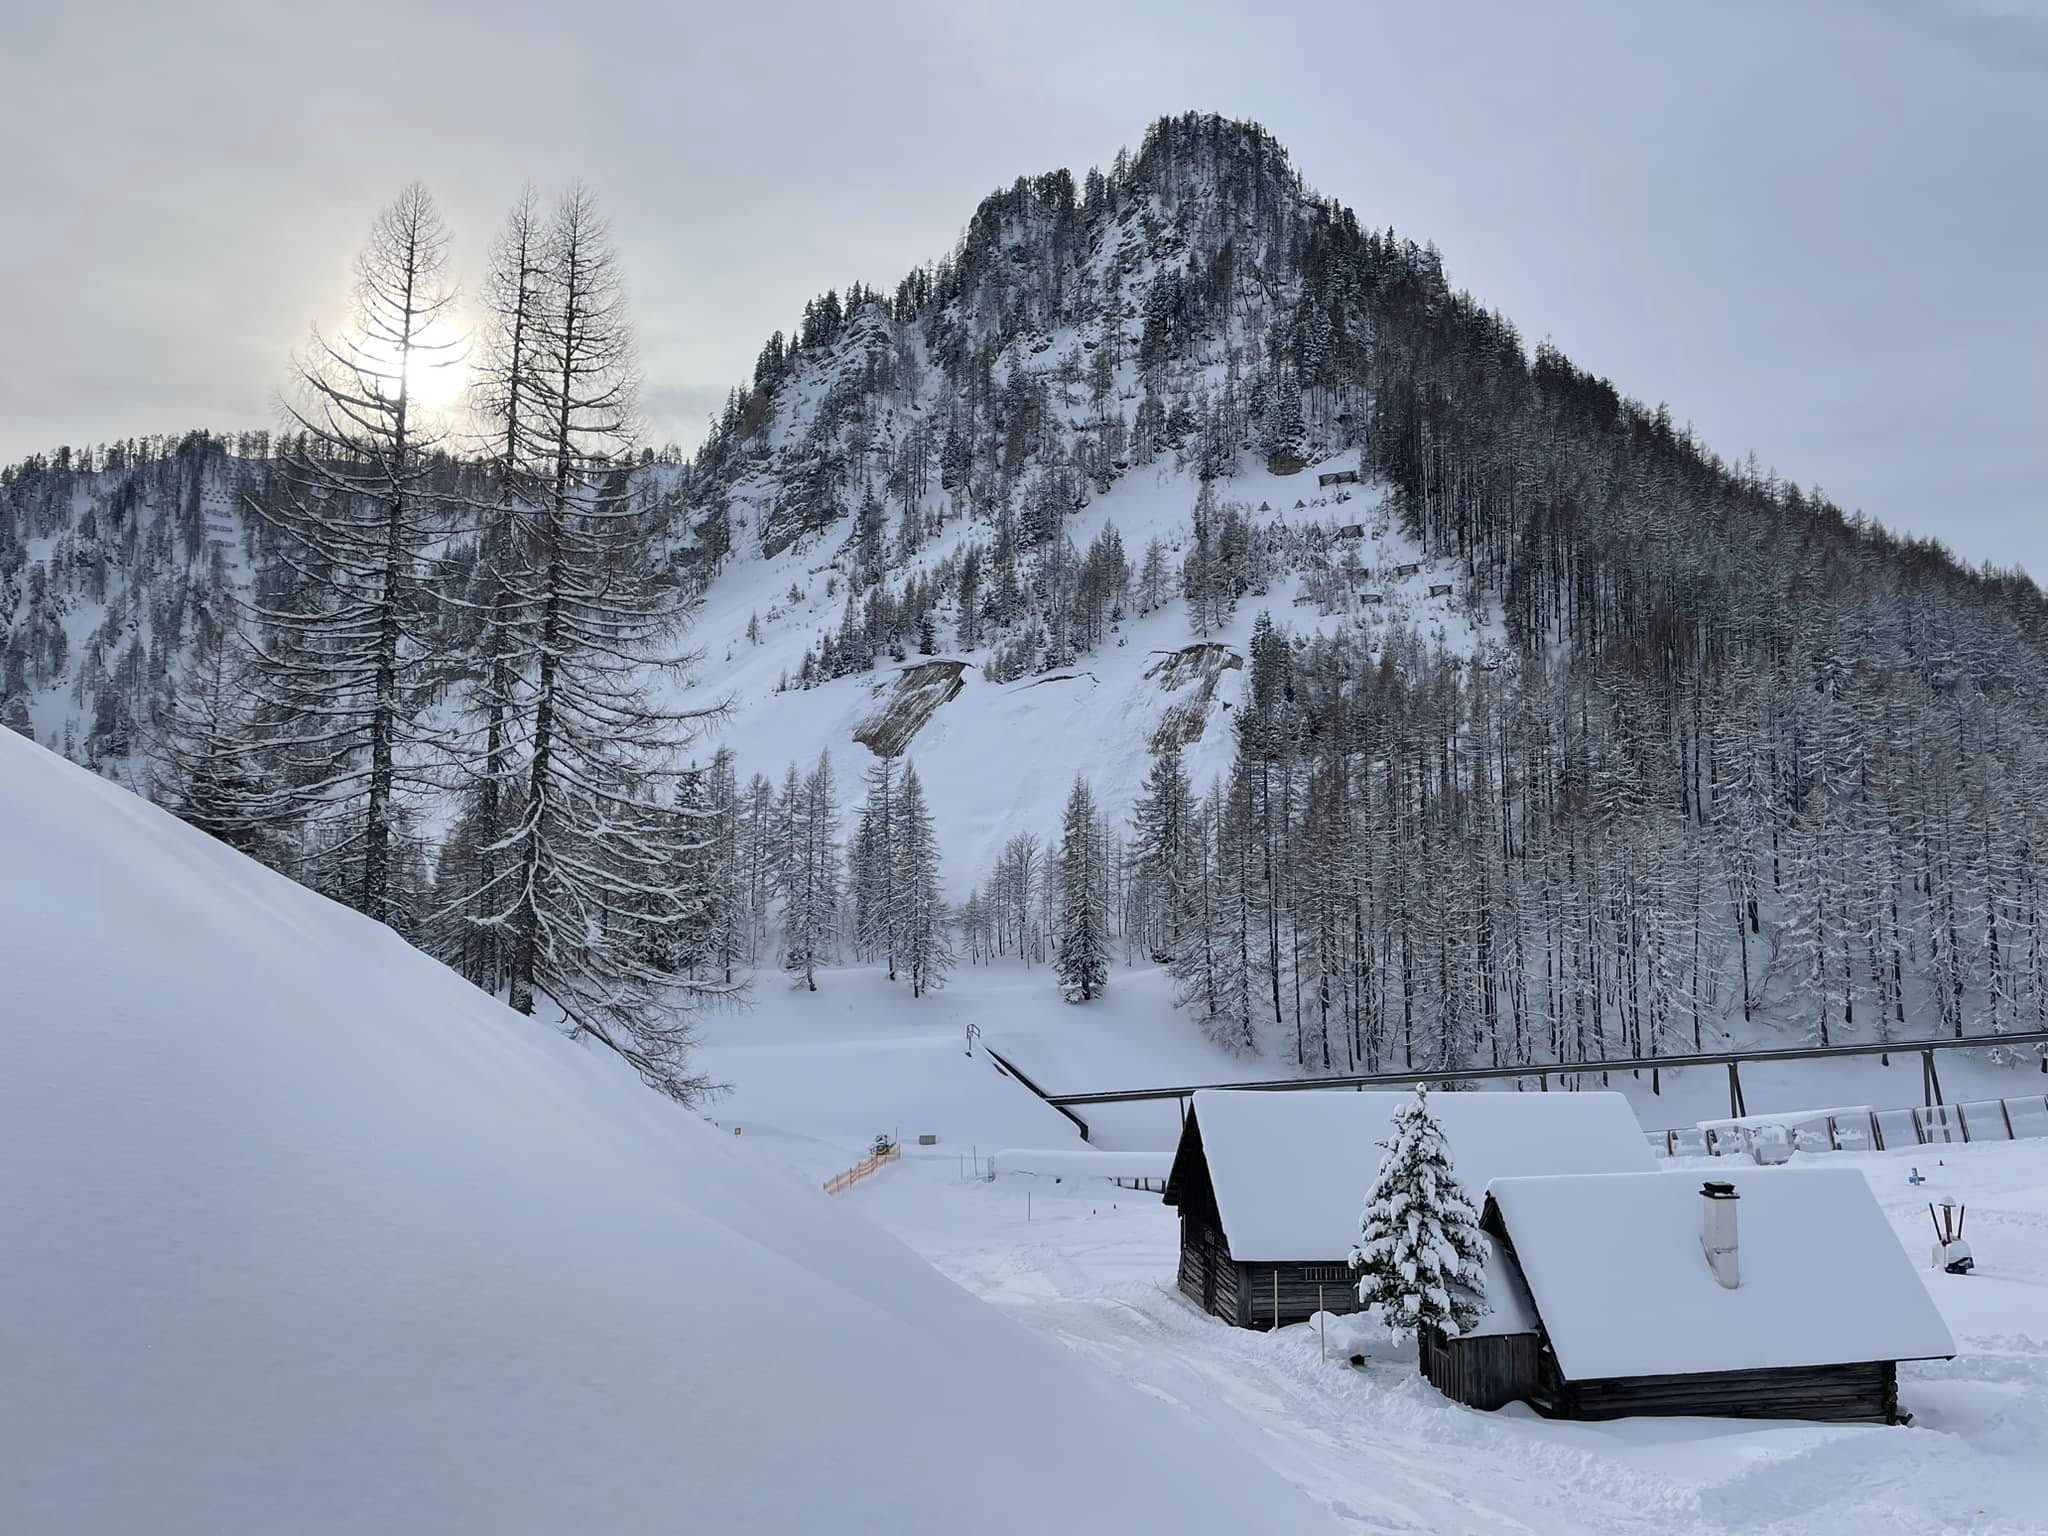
column 1812, row 229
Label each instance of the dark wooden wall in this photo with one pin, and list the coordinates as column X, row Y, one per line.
column 1299, row 1286
column 1209, row 1276
column 1866, row 1393
column 1489, row 1371
column 1243, row 1293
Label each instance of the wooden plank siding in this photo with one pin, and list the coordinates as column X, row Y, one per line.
column 1865, row 1393
column 1489, row 1371
column 1208, row 1276
column 1243, row 1293
column 1297, row 1285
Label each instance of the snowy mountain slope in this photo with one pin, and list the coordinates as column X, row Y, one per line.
column 307, row 1234
column 109, row 574
column 999, row 757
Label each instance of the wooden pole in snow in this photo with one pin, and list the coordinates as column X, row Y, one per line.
column 1276, row 1298
column 1322, row 1324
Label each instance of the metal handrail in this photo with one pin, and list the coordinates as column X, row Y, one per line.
column 1548, row 1069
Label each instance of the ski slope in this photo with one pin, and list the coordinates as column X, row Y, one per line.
column 305, row 1234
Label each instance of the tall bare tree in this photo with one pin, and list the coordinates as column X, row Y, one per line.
column 508, row 433
column 589, row 625
column 346, row 657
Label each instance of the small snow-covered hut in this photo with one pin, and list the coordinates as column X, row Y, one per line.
column 1270, row 1185
column 1781, row 1294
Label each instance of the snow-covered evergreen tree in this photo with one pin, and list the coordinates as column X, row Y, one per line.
column 810, row 876
column 921, row 924
column 873, row 871
column 722, row 838
column 1420, row 1256
column 209, row 767
column 1162, row 851
column 1081, row 877
column 1197, row 965
column 757, row 861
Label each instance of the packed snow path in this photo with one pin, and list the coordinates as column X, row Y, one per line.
column 1093, row 1267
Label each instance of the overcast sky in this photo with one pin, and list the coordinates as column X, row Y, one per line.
column 1818, row 231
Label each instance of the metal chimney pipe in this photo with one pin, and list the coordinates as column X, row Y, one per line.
column 1717, row 1231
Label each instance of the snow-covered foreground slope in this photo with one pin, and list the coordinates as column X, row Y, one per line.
column 302, row 1233
column 1093, row 1266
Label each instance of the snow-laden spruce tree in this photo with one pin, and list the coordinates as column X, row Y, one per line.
column 809, row 869
column 921, row 922
column 1081, row 872
column 1420, row 1253
column 1163, row 852
column 873, row 872
column 209, row 768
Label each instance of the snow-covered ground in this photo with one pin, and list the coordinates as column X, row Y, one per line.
column 1092, row 1266
column 821, row 1074
column 828, row 1070
column 299, row 1232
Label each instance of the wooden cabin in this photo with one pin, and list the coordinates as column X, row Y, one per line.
column 1337, row 477
column 1781, row 1294
column 1269, row 1185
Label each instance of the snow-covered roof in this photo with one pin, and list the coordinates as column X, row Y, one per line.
column 1615, row 1265
column 1290, row 1170
column 1509, row 1307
